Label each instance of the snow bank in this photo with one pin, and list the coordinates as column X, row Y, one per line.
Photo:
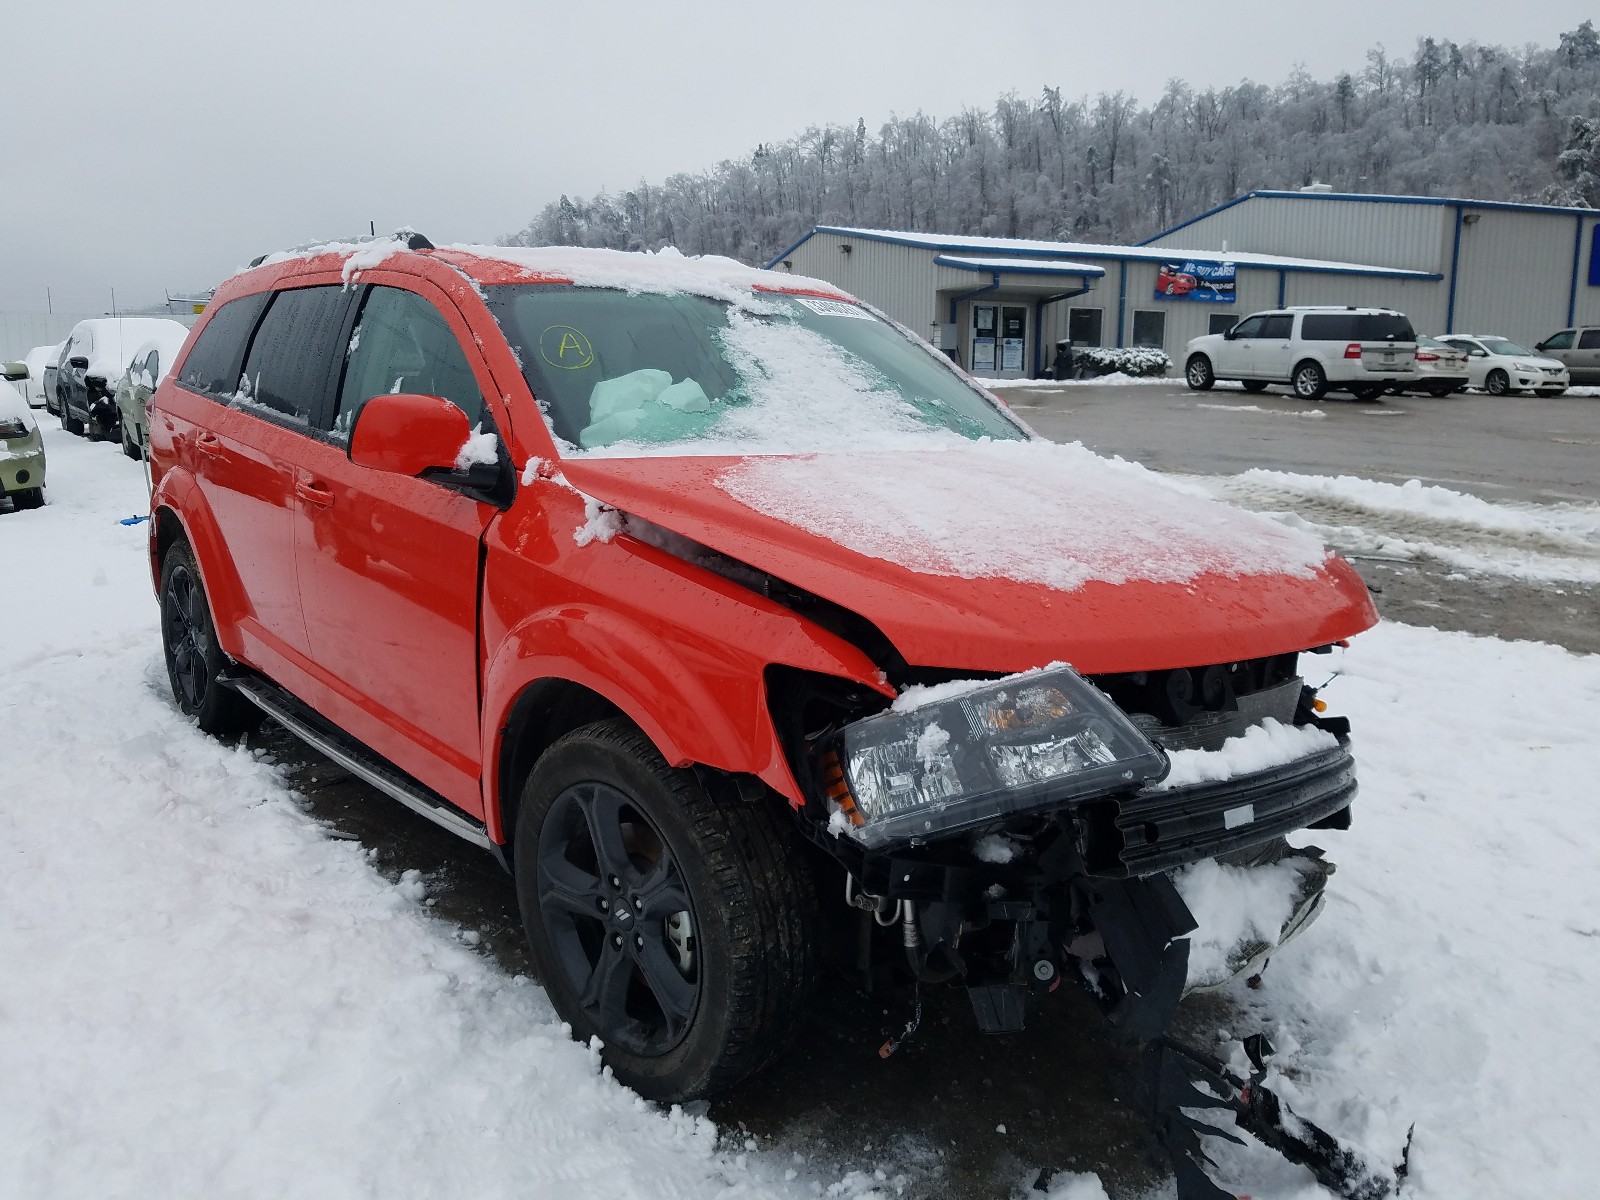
column 1035, row 512
column 1115, row 379
column 203, row 994
column 1451, row 979
column 1312, row 414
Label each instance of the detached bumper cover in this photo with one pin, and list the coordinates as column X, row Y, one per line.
column 1160, row 830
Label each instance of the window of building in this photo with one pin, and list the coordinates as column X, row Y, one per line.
column 1084, row 325
column 1220, row 322
column 403, row 344
column 212, row 367
column 1149, row 328
column 292, row 353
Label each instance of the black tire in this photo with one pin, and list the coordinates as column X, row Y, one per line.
column 195, row 661
column 1309, row 380
column 699, row 996
column 1367, row 391
column 28, row 498
column 1254, row 385
column 129, row 447
column 1197, row 373
column 69, row 422
column 1497, row 383
column 1440, row 390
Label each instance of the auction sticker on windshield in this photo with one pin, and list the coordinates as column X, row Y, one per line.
column 832, row 308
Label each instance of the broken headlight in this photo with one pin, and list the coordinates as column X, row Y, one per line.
column 966, row 757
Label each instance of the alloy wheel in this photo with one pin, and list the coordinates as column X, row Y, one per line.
column 619, row 918
column 183, row 623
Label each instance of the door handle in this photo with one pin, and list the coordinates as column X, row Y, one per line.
column 313, row 493
column 208, row 443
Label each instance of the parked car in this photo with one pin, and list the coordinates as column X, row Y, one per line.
column 1578, row 350
column 1501, row 367
column 47, row 380
column 1441, row 369
column 37, row 360
column 1363, row 351
column 150, row 364
column 97, row 351
column 21, row 450
column 658, row 578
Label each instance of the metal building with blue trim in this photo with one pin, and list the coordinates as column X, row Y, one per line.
column 1000, row 305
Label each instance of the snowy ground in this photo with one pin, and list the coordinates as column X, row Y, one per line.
column 203, row 993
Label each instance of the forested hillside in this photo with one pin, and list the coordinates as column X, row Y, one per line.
column 1489, row 122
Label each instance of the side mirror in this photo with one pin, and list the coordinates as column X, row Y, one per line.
column 407, row 434
column 1229, row 334
column 14, row 372
column 78, row 361
column 1538, row 345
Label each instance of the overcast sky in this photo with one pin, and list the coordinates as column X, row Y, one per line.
column 161, row 145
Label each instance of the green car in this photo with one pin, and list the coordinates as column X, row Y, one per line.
column 21, row 450
column 148, row 367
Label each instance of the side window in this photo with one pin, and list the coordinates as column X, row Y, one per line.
column 294, row 354
column 212, row 366
column 1276, row 327
column 1563, row 340
column 1149, row 328
column 152, row 367
column 1249, row 327
column 1590, row 340
column 402, row 343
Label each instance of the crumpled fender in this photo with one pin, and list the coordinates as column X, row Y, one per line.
column 179, row 493
column 693, row 709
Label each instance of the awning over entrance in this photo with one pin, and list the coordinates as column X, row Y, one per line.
column 1047, row 272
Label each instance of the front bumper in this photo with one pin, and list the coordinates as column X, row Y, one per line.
column 1153, row 831
column 21, row 471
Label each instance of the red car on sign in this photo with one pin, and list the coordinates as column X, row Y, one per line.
column 1175, row 283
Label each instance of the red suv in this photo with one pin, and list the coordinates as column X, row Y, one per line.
column 727, row 614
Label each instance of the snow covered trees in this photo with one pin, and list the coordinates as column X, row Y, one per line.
column 1456, row 119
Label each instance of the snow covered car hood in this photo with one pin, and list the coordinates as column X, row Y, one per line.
column 1004, row 556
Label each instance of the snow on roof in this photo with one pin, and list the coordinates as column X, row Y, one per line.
column 1042, row 266
column 113, row 339
column 166, row 344
column 666, row 271
column 1028, row 247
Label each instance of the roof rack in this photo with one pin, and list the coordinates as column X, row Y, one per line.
column 412, row 239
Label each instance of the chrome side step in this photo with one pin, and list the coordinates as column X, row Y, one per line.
column 316, row 731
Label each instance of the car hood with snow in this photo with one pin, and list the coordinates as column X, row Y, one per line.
column 996, row 557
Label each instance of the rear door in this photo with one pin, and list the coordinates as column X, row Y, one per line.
column 1583, row 363
column 248, row 459
column 388, row 565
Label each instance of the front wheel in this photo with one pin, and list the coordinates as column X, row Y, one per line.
column 1310, row 383
column 669, row 921
column 1198, row 374
column 195, row 661
column 1498, row 383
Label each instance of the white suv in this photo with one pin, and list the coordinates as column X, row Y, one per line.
column 1361, row 350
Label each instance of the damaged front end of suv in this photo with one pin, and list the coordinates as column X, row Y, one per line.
column 1024, row 829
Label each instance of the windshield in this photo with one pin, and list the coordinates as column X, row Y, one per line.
column 1501, row 346
column 778, row 374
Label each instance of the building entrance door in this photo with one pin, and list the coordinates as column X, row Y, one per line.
column 999, row 340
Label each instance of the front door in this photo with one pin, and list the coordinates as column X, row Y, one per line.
column 985, row 339
column 388, row 565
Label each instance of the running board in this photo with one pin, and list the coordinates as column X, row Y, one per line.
column 322, row 735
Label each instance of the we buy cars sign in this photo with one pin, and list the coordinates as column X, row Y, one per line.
column 1189, row 280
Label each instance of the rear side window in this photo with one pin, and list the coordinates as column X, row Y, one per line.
column 402, row 343
column 1589, row 340
column 293, row 352
column 1356, row 327
column 213, row 364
